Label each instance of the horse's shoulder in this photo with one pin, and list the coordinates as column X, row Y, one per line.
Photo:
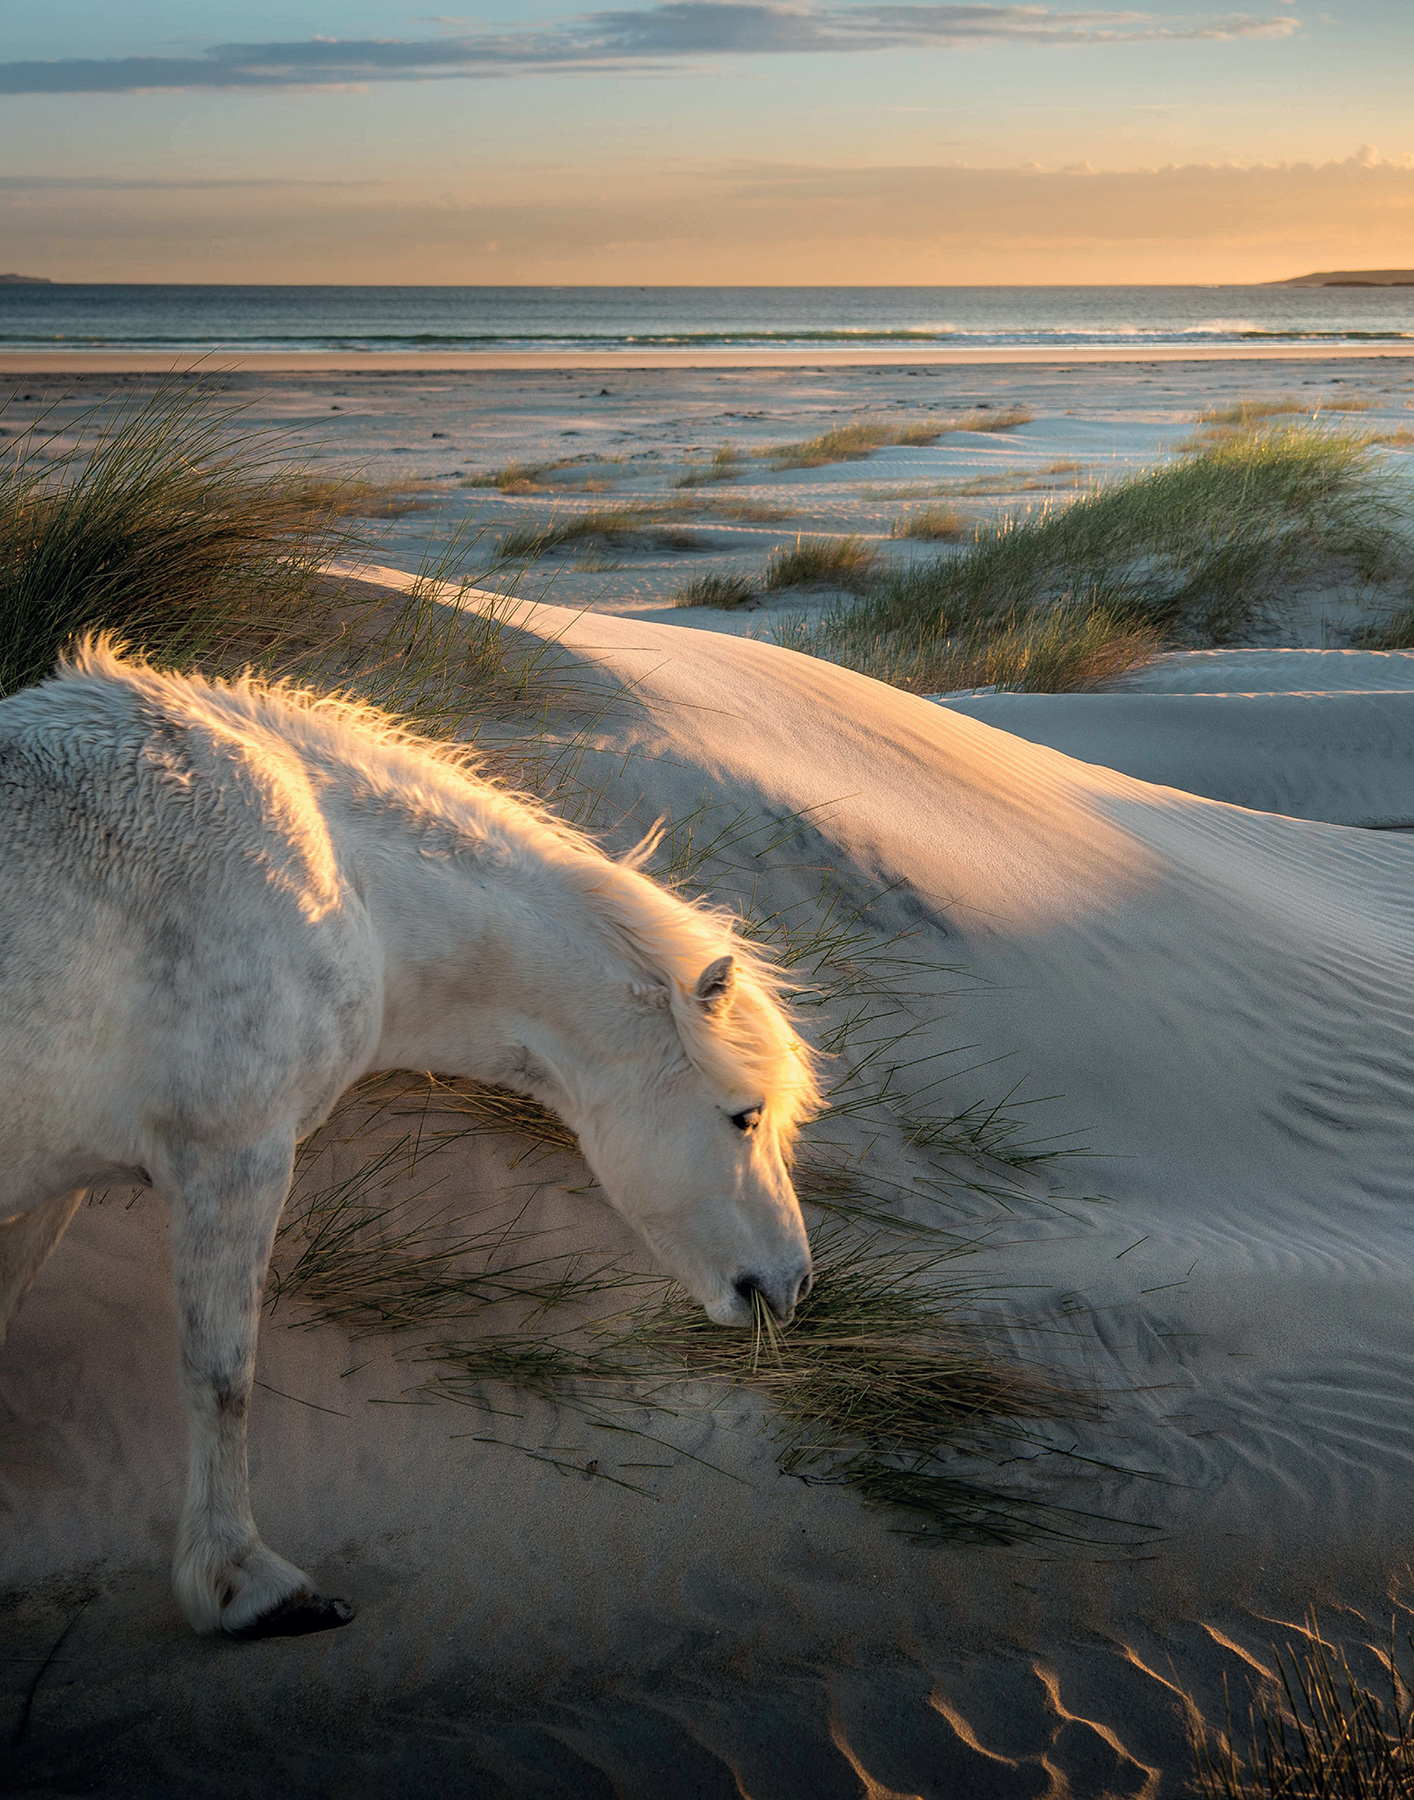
column 141, row 778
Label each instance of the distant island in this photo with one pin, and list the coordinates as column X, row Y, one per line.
column 1352, row 278
column 25, row 281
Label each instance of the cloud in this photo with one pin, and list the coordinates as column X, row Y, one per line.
column 120, row 184
column 604, row 42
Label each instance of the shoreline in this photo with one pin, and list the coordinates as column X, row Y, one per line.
column 102, row 362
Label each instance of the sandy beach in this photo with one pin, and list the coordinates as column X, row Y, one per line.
column 108, row 362
column 1173, row 921
column 565, row 442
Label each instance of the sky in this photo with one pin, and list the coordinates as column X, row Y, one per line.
column 704, row 141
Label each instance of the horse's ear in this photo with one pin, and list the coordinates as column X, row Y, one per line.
column 716, row 985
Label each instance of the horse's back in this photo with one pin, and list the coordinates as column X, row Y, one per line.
column 179, row 953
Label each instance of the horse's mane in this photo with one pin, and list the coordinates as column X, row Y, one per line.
column 750, row 1047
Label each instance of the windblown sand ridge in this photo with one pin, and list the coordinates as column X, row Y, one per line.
column 1315, row 734
column 1219, row 1001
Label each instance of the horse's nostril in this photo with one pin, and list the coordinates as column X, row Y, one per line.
column 807, row 1281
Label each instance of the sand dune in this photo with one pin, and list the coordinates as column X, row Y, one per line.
column 1215, row 998
column 1315, row 734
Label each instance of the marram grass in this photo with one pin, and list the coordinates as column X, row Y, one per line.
column 881, row 1382
column 643, row 524
column 876, row 1386
column 725, row 591
column 931, row 524
column 1324, row 1733
column 846, row 562
column 616, row 525
column 859, row 439
column 166, row 528
column 1195, row 551
column 725, row 465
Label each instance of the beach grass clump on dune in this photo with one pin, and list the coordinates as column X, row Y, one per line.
column 856, row 441
column 1324, row 1733
column 359, row 499
column 725, row 591
column 1194, row 550
column 1001, row 418
column 1252, row 412
column 514, row 477
column 747, row 512
column 846, row 443
column 1395, row 631
column 930, row 524
column 1224, row 424
column 846, row 562
column 887, row 1383
column 1072, row 648
column 881, row 1381
column 620, row 526
column 165, row 528
column 1055, row 476
column 726, row 465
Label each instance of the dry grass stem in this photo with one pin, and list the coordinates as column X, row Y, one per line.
column 1326, row 1734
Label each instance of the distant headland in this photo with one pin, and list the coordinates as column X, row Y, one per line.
column 25, row 281
column 1352, row 278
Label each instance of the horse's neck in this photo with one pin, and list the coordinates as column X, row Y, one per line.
column 474, row 967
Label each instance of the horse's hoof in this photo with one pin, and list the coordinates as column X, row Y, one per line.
column 296, row 1618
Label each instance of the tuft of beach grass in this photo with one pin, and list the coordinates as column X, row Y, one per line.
column 1252, row 412
column 517, row 477
column 857, row 441
column 726, row 465
column 619, row 525
column 930, row 524
column 725, row 591
column 360, row 499
column 846, row 562
column 165, row 527
column 1320, row 1733
column 1194, row 550
column 1002, row 481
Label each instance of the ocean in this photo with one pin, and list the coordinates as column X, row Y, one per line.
column 92, row 316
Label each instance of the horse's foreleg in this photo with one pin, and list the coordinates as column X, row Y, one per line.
column 25, row 1243
column 223, row 1225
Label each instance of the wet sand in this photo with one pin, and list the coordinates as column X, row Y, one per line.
column 146, row 362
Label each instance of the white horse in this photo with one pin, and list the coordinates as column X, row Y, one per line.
column 222, row 904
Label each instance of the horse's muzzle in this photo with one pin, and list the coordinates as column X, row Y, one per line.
column 781, row 1293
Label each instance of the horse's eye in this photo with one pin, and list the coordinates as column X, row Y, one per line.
column 748, row 1120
